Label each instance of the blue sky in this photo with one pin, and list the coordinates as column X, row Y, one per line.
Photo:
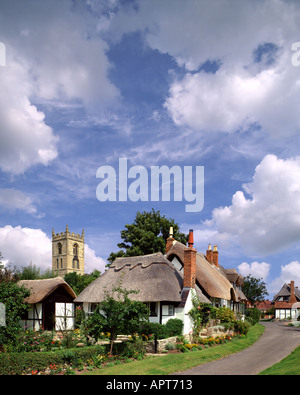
column 172, row 83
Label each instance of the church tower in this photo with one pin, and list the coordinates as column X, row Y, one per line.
column 67, row 252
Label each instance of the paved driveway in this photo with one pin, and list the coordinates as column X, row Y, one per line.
column 277, row 341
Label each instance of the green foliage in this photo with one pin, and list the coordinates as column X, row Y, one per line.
column 18, row 363
column 147, row 235
column 151, row 330
column 253, row 315
column 117, row 315
column 80, row 281
column 255, row 289
column 174, row 327
column 12, row 296
column 224, row 314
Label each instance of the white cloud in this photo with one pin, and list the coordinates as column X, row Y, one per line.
column 289, row 272
column 20, row 246
column 255, row 269
column 265, row 217
column 92, row 261
column 25, row 137
column 250, row 86
column 52, row 58
column 13, row 199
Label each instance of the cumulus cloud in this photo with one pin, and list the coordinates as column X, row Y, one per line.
column 20, row 246
column 51, row 59
column 265, row 216
column 289, row 272
column 255, row 83
column 255, row 269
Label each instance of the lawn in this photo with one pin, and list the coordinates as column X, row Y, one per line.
column 172, row 363
column 288, row 366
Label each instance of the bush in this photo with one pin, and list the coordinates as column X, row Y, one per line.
column 241, row 327
column 18, row 363
column 174, row 327
column 253, row 315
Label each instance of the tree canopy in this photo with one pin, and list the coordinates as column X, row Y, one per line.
column 255, row 289
column 147, row 235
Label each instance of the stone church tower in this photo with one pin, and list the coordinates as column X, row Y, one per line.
column 67, row 252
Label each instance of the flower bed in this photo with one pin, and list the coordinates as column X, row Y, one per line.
column 184, row 346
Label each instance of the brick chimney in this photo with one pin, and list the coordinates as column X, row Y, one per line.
column 189, row 273
column 215, row 256
column 292, row 297
column 209, row 254
column 170, row 240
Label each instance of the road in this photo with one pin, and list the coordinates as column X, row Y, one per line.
column 277, row 341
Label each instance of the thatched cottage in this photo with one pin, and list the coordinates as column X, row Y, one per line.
column 51, row 302
column 222, row 286
column 166, row 283
column 287, row 302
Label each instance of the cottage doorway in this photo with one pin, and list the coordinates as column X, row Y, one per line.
column 48, row 316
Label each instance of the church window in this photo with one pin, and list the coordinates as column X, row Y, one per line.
column 59, row 246
column 75, row 249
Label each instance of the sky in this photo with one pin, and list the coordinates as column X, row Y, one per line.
column 190, row 85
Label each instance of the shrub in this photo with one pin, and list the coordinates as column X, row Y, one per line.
column 253, row 315
column 174, row 327
column 241, row 327
column 18, row 363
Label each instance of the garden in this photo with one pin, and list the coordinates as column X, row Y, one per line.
column 96, row 343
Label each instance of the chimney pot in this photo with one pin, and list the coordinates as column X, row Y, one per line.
column 209, row 254
column 170, row 240
column 215, row 256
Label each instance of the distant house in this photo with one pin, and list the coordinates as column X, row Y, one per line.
column 163, row 285
column 52, row 306
column 287, row 302
column 265, row 306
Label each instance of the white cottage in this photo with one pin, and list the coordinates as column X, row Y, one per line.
column 161, row 286
column 51, row 305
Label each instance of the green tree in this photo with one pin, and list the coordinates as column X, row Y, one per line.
column 117, row 314
column 255, row 289
column 147, row 235
column 12, row 296
column 80, row 281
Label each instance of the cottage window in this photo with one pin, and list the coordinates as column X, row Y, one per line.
column 153, row 309
column 168, row 310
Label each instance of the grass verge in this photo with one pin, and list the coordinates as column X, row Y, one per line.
column 172, row 363
column 288, row 366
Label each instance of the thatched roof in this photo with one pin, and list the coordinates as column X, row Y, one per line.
column 40, row 289
column 210, row 278
column 286, row 292
column 152, row 275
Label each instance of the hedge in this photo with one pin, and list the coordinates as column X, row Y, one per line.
column 18, row 363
